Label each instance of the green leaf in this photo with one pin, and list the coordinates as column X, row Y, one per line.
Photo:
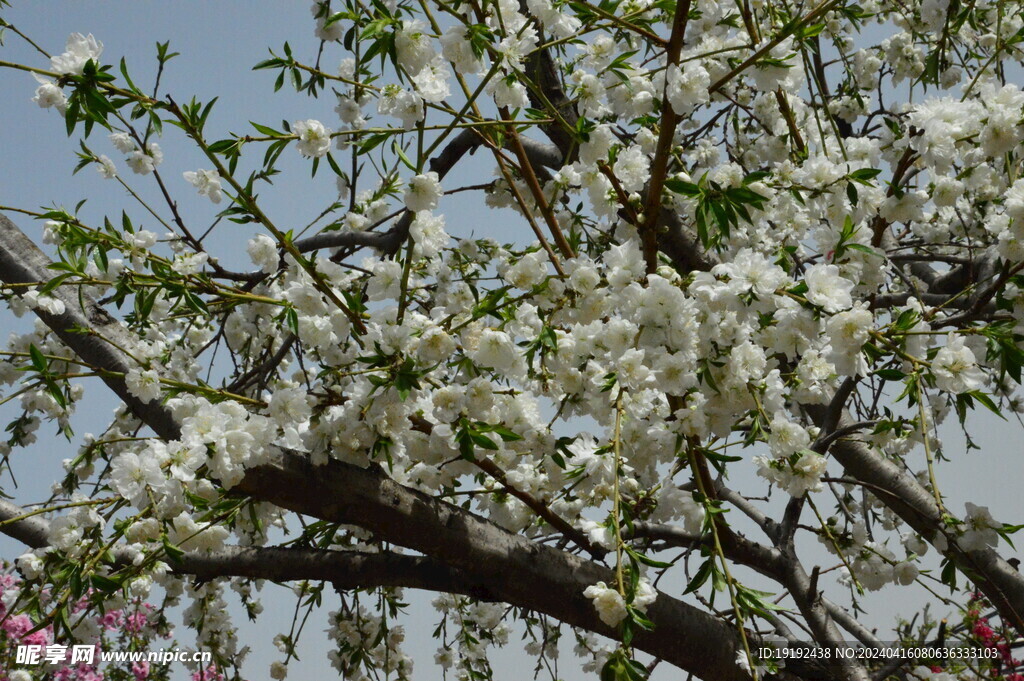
column 127, row 78
column 173, row 552
column 506, row 434
column 105, row 584
column 401, row 155
column 222, row 146
column 719, row 457
column 646, row 560
column 865, row 249
column 51, row 285
column 756, row 176
column 266, row 130
column 39, row 362
column 682, row 187
column 706, row 569
column 206, row 113
column 851, row 193
column 809, row 31
column 755, row 601
column 948, row 576
column 864, row 175
column 482, row 440
column 334, row 165
column 640, row 619
column 987, row 402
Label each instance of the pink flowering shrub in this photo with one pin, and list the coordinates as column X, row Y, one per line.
column 119, row 625
column 979, row 647
column 990, row 635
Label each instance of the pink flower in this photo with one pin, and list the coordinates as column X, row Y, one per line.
column 112, row 620
column 87, row 673
column 983, row 631
column 208, row 674
column 140, row 670
column 135, row 622
column 17, row 628
column 38, row 638
column 82, row 602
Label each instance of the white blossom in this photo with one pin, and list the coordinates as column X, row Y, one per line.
column 145, row 162
column 206, row 182
column 123, row 142
column 144, row 385
column 686, row 87
column 314, row 138
column 981, row 529
column 106, row 167
column 49, row 95
column 423, row 192
column 827, row 288
column 263, row 252
column 132, row 474
column 955, row 368
column 78, row 50
column 608, row 602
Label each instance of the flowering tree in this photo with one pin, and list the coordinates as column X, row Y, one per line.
column 749, row 241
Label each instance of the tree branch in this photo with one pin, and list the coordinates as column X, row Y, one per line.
column 466, row 141
column 659, row 166
column 898, row 490
column 344, row 569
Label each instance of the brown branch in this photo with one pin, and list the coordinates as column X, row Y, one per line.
column 659, row 166
column 902, row 493
column 466, row 142
column 526, row 168
column 540, row 69
column 540, row 508
column 344, row 569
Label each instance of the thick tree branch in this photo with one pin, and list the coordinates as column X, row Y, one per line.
column 681, row 245
column 32, row 531
column 848, row 622
column 344, row 569
column 901, row 492
column 804, row 591
column 540, row 68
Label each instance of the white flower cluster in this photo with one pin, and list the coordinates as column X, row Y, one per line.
column 49, row 95
column 361, row 635
column 206, row 182
column 314, row 138
column 78, row 51
column 980, row 529
column 611, row 606
column 423, row 192
column 141, row 161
